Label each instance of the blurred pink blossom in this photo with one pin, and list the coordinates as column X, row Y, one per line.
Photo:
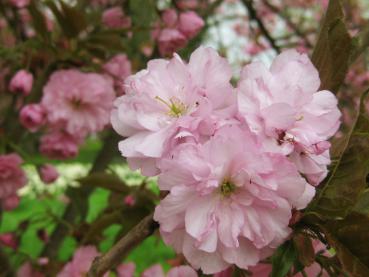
column 59, row 145
column 115, row 18
column 21, row 82
column 32, row 117
column 48, row 173
column 80, row 263
column 126, row 270
column 9, row 240
column 11, row 202
column 169, row 17
column 80, row 102
column 26, row 270
column 118, row 67
column 179, row 271
column 170, row 40
column 12, row 176
column 190, row 24
column 129, row 200
column 20, row 3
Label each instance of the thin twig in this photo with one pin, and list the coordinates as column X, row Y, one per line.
column 253, row 16
column 117, row 253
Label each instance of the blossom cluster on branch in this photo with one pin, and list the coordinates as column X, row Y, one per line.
column 236, row 161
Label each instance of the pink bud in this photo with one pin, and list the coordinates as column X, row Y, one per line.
column 21, row 82
column 169, row 17
column 129, row 200
column 8, row 239
column 115, row 18
column 170, row 40
column 119, row 66
column 48, row 173
column 32, row 117
column 190, row 24
column 11, row 202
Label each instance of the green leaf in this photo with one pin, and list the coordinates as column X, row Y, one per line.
column 283, row 259
column 350, row 238
column 347, row 181
column 332, row 52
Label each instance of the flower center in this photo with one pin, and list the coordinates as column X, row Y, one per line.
column 176, row 106
column 227, row 188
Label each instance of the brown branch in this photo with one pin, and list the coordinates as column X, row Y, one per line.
column 120, row 250
column 253, row 16
column 78, row 208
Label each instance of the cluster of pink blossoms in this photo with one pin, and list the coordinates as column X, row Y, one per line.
column 236, row 161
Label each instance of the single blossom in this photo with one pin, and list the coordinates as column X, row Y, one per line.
column 190, row 24
column 171, row 101
column 21, row 82
column 284, row 105
column 48, row 173
column 12, row 176
column 229, row 202
column 32, row 117
column 115, row 18
column 81, row 262
column 80, row 102
column 59, row 145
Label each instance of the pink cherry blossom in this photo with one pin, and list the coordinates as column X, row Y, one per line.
column 32, row 117
column 81, row 262
column 48, row 173
column 126, row 270
column 229, row 202
column 21, row 82
column 20, row 3
column 115, row 18
column 190, row 24
column 171, row 101
column 59, row 145
column 170, row 40
column 12, row 176
column 81, row 102
column 283, row 104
